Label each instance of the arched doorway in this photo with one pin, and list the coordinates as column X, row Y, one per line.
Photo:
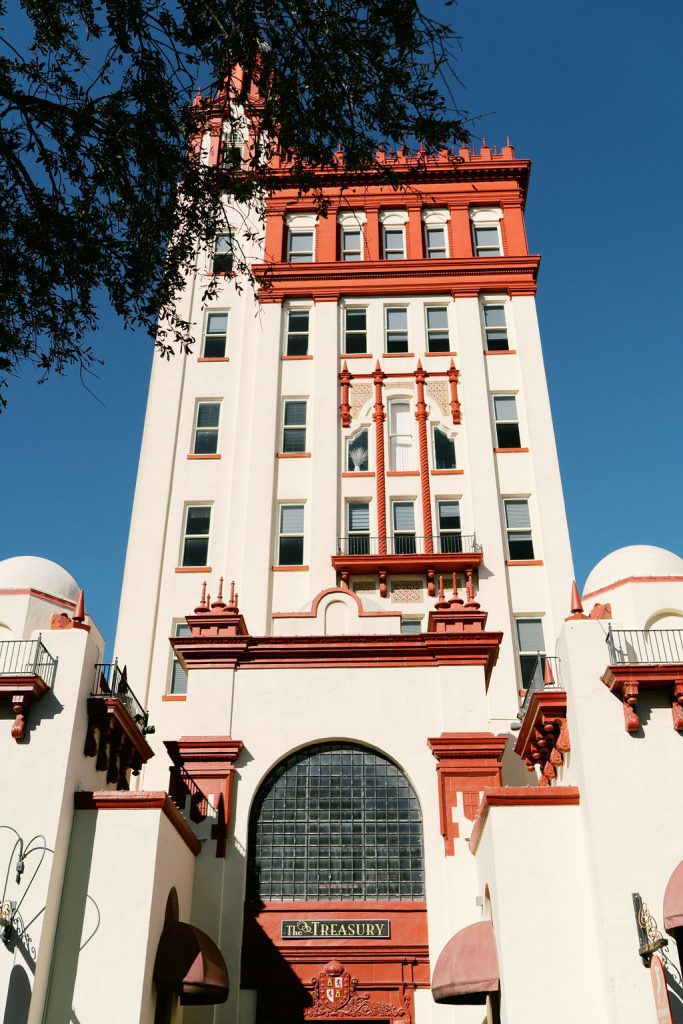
column 335, row 874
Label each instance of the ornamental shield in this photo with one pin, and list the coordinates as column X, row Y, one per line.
column 336, row 985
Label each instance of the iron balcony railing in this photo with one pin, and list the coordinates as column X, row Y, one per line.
column 645, row 646
column 408, row 544
column 544, row 675
column 27, row 658
column 111, row 681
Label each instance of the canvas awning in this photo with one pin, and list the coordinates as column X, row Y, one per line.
column 190, row 965
column 467, row 970
column 673, row 901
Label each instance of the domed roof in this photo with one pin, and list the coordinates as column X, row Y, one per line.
column 30, row 572
column 635, row 560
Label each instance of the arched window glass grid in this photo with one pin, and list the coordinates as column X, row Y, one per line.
column 336, row 821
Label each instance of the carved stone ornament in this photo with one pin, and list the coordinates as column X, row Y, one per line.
column 335, row 997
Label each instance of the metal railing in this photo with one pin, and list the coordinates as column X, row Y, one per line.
column 111, row 681
column 544, row 666
column 408, row 544
column 645, row 646
column 27, row 658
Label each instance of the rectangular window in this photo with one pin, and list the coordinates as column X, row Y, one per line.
column 400, row 437
column 437, row 329
column 518, row 526
column 291, row 541
column 216, row 335
column 394, row 244
column 496, row 330
column 396, row 329
column 222, row 253
column 206, row 428
column 196, row 535
column 178, row 673
column 411, row 626
column 300, row 246
column 355, row 330
column 507, row 422
column 357, row 453
column 487, row 240
column 531, row 646
column 435, row 241
column 403, row 513
column 351, row 243
column 232, row 149
column 444, row 450
column 294, row 427
column 359, row 527
column 297, row 332
column 450, row 538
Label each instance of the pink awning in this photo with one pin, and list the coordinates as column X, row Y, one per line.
column 467, row 970
column 190, row 965
column 673, row 901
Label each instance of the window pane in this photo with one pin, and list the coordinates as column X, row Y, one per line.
column 507, row 435
column 356, row 319
column 530, row 635
column 359, row 516
column 351, row 244
column 291, row 519
column 449, row 515
column 223, row 244
column 411, row 626
column 217, row 323
column 214, row 346
column 178, row 678
column 437, row 318
column 206, row 442
column 358, row 453
column 357, row 822
column 300, row 243
column 295, row 414
column 195, row 550
column 404, row 515
column 517, row 514
column 436, row 242
column 291, row 551
column 294, row 440
column 521, row 547
column 298, row 321
column 397, row 319
column 207, row 414
column 487, row 238
column 393, row 243
column 444, row 450
column 494, row 316
column 505, row 407
column 198, row 519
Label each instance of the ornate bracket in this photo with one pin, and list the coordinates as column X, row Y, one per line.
column 544, row 736
column 115, row 739
column 345, row 409
column 453, row 376
column 629, row 679
column 335, row 997
column 204, row 769
column 21, row 692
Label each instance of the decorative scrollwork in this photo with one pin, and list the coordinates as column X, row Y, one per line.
column 649, row 936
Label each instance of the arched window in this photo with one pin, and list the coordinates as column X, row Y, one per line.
column 336, row 821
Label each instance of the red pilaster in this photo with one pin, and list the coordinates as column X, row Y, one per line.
column 453, row 376
column 379, row 417
column 326, row 239
column 275, row 229
column 345, row 408
column 461, row 234
column 468, row 763
column 512, row 225
column 372, row 249
column 421, row 417
column 414, row 233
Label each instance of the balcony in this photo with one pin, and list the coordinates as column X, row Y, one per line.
column 27, row 672
column 645, row 659
column 117, row 726
column 543, row 734
column 359, row 555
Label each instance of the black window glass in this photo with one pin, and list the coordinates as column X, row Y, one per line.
column 336, row 822
column 444, row 450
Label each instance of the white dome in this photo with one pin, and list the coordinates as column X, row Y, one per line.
column 636, row 560
column 30, row 572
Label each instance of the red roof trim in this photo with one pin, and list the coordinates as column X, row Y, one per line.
column 119, row 800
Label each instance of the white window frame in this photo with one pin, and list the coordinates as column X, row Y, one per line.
column 345, row 331
column 505, row 423
column 486, row 217
column 299, row 224
column 522, row 653
column 451, row 437
column 442, row 500
column 215, row 312
column 411, row 618
column 393, row 330
column 205, row 430
column 290, row 503
column 350, row 441
column 393, row 437
column 232, row 141
column 226, row 233
column 519, row 530
column 486, row 302
column 394, row 220
column 434, row 330
column 178, row 624
column 285, row 427
column 285, row 345
column 188, row 536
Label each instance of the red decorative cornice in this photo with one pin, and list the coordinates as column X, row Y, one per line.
column 520, row 796
column 111, row 800
column 628, row 679
column 427, row 565
column 391, row 650
column 515, row 275
column 468, row 763
column 543, row 739
column 20, row 692
column 204, row 767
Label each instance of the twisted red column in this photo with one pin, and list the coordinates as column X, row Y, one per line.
column 421, row 417
column 379, row 417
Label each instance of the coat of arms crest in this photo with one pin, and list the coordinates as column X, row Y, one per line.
column 335, row 984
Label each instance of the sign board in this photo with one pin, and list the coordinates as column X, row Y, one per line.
column 347, row 929
column 661, row 992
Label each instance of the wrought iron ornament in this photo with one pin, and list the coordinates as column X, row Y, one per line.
column 650, row 939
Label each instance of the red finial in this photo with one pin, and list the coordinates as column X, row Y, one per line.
column 202, row 606
column 548, row 677
column 469, row 589
column 219, row 603
column 232, row 601
column 79, row 614
column 442, row 604
column 577, row 607
column 456, row 601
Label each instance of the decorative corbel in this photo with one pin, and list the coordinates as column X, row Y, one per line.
column 345, row 408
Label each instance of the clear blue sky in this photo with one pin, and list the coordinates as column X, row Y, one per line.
column 592, row 93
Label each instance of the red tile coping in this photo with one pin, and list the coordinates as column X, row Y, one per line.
column 117, row 800
column 520, row 796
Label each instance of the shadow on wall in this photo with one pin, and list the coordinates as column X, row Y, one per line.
column 18, row 997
